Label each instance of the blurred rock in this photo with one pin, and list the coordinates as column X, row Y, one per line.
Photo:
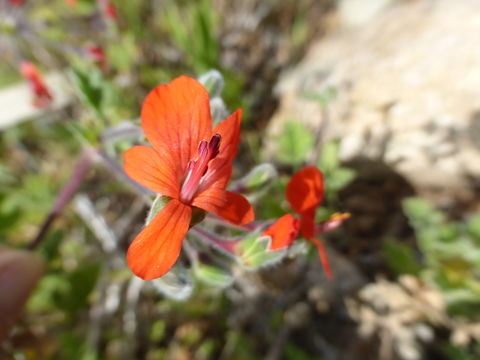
column 358, row 12
column 408, row 91
column 400, row 314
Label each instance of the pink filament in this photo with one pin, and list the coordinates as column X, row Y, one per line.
column 197, row 168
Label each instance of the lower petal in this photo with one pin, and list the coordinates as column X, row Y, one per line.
column 283, row 232
column 225, row 204
column 322, row 254
column 156, row 249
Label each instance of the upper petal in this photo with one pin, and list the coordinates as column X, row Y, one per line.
column 220, row 169
column 305, row 189
column 156, row 249
column 147, row 167
column 229, row 130
column 283, row 232
column 229, row 206
column 175, row 118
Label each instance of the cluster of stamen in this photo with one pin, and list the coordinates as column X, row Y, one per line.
column 196, row 169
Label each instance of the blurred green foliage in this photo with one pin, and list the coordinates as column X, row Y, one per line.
column 295, row 143
column 450, row 255
column 193, row 17
column 152, row 43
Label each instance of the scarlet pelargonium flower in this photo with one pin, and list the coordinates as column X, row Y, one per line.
column 190, row 163
column 42, row 95
column 97, row 55
column 108, row 9
column 305, row 192
column 17, row 2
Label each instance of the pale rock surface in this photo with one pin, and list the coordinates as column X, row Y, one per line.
column 408, row 91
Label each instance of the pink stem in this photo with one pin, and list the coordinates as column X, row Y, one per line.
column 79, row 173
column 213, row 240
column 246, row 228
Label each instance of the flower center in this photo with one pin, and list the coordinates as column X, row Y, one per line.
column 196, row 169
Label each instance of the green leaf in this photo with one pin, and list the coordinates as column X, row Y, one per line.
column 295, row 143
column 400, row 257
column 324, row 97
column 9, row 216
column 49, row 248
column 34, row 199
column 473, row 228
column 44, row 297
column 328, row 160
column 158, row 330
column 417, row 208
column 197, row 18
column 339, row 178
column 89, row 85
column 122, row 55
column 74, row 346
column 81, row 282
column 293, row 352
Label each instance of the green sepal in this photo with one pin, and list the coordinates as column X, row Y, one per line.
column 257, row 181
column 213, row 82
column 253, row 252
column 212, row 274
column 157, row 205
column 177, row 284
column 197, row 216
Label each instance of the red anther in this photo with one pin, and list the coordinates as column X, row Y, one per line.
column 214, row 145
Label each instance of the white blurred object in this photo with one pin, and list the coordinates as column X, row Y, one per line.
column 16, row 100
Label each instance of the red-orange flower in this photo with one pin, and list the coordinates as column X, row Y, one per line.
column 305, row 192
column 190, row 162
column 108, row 9
column 42, row 95
column 97, row 55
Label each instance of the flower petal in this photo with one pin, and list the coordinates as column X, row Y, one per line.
column 229, row 206
column 283, row 232
column 333, row 222
column 175, row 118
column 220, row 169
column 305, row 189
column 323, row 256
column 144, row 165
column 229, row 130
column 156, row 249
column 307, row 223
